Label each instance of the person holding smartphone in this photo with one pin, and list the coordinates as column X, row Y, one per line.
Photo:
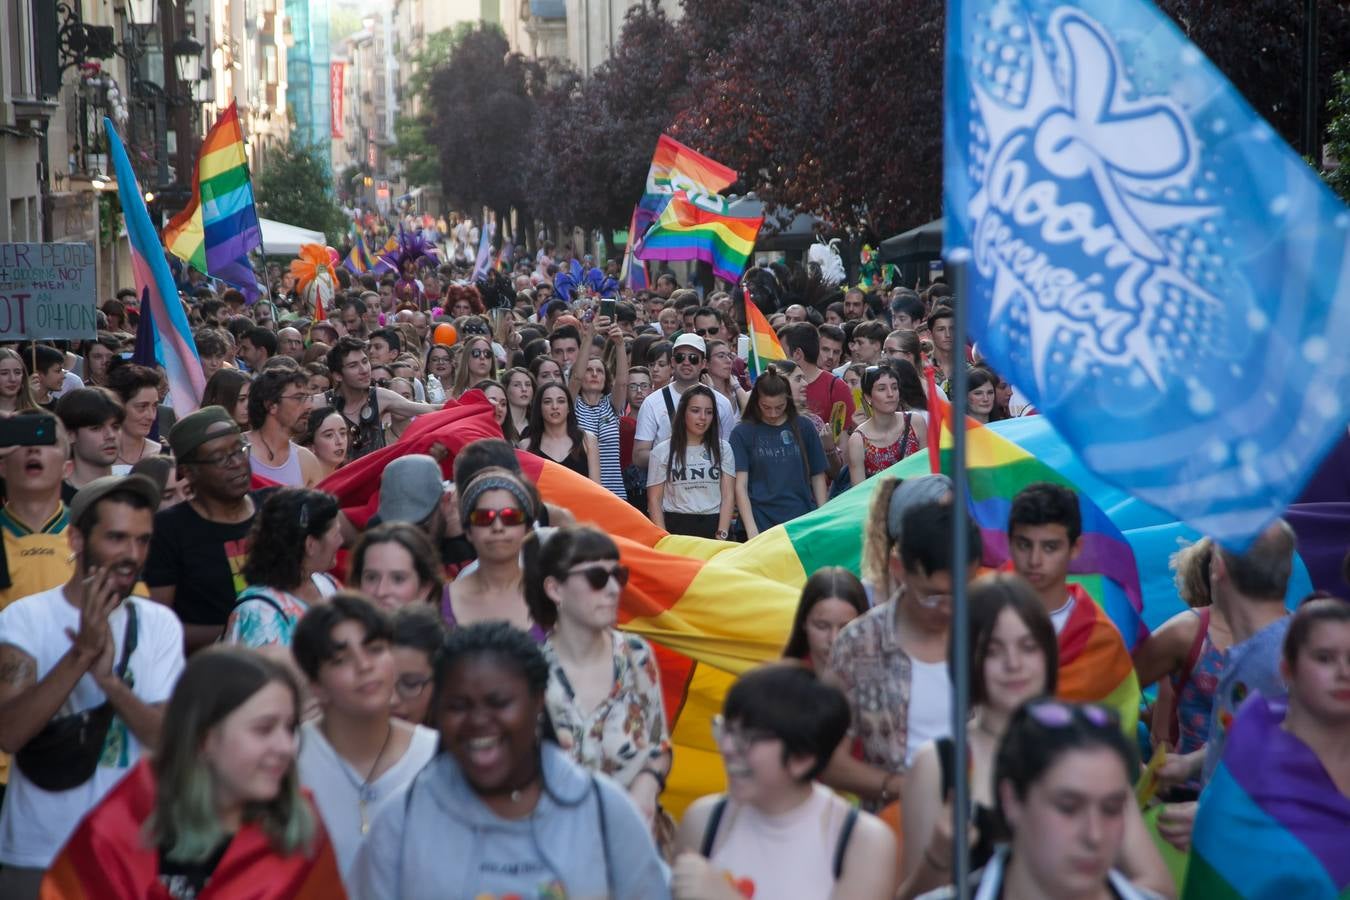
column 601, row 395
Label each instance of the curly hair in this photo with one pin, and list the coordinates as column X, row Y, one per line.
column 501, row 641
column 277, row 543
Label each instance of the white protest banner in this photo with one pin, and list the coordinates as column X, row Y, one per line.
column 47, row 292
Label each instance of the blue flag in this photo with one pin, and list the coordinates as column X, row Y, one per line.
column 1163, row 277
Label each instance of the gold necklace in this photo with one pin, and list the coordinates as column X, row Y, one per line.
column 363, row 791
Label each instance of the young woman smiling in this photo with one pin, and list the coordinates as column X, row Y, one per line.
column 556, row 435
column 531, row 822
column 691, row 485
column 326, row 435
column 889, row 435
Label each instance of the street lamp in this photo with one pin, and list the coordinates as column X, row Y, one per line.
column 187, row 59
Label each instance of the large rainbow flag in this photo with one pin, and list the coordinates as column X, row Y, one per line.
column 714, row 609
column 174, row 347
column 1271, row 823
column 674, row 168
column 764, row 346
column 687, row 231
column 216, row 230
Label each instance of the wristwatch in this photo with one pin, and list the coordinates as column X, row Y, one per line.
column 721, row 535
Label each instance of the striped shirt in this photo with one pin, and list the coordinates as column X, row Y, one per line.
column 602, row 421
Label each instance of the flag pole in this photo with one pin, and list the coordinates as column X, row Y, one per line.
column 958, row 261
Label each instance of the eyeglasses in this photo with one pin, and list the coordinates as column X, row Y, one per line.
column 237, row 455
column 294, row 397
column 1054, row 714
column 694, row 358
column 480, row 353
column 509, row 515
column 598, row 576
column 382, row 382
column 741, row 739
column 410, row 687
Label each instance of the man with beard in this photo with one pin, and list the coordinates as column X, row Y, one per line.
column 279, row 398
column 93, row 419
column 199, row 547
column 68, row 651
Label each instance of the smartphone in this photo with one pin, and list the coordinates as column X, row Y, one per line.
column 28, row 431
column 607, row 308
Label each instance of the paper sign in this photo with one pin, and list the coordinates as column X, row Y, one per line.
column 47, row 292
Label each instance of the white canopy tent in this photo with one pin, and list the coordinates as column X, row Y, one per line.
column 280, row 239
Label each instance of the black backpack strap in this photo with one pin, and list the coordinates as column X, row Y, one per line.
column 841, row 848
column 262, row 598
column 129, row 639
column 670, row 404
column 710, row 832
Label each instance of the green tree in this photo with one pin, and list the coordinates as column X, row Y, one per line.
column 1338, row 135
column 295, row 188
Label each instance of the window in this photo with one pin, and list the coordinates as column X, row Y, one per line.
column 270, row 63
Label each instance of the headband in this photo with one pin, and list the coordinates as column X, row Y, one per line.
column 486, row 482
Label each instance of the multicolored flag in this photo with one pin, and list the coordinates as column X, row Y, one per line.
column 687, row 231
column 1171, row 329
column 216, row 230
column 674, row 168
column 359, row 260
column 634, row 272
column 764, row 346
column 1271, row 822
column 174, row 347
column 484, row 260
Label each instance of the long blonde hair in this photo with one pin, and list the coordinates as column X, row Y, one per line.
column 24, row 399
column 462, row 375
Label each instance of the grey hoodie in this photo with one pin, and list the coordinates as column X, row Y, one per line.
column 436, row 840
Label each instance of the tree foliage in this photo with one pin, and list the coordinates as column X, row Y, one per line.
column 412, row 145
column 482, row 104
column 595, row 137
column 1258, row 45
column 295, row 188
column 1338, row 135
column 831, row 108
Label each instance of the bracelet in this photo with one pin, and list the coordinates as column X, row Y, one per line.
column 660, row 779
column 886, row 796
column 935, row 864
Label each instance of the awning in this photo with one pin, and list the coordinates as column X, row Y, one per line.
column 915, row 245
column 280, row 239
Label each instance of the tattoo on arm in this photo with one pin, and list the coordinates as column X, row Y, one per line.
column 16, row 667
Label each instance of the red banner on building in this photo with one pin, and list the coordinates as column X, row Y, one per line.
column 336, row 73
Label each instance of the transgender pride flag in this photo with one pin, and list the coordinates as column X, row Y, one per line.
column 174, row 349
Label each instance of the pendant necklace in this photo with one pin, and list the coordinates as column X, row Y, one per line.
column 363, row 790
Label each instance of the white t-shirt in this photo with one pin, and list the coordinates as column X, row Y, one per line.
column 653, row 419
column 34, row 824
column 695, row 487
column 337, row 786
column 929, row 716
column 1060, row 617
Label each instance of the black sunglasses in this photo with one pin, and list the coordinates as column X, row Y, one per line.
column 598, row 576
column 688, row 358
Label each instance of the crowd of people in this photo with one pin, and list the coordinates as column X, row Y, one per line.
column 210, row 676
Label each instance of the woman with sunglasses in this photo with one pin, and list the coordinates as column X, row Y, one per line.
column 440, row 367
column 604, row 690
column 556, row 435
column 1063, row 790
column 326, row 437
column 889, row 435
column 477, row 362
column 777, row 832
column 294, row 542
column 501, row 811
column 497, row 510
column 519, row 385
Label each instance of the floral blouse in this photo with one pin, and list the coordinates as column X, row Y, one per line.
column 628, row 729
column 264, row 616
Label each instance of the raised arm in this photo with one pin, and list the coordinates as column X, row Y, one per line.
column 393, row 403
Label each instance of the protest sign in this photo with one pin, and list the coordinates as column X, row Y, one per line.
column 47, row 291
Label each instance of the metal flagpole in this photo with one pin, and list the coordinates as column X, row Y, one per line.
column 957, row 262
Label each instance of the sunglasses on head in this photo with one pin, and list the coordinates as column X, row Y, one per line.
column 1054, row 714
column 597, row 576
column 510, row 515
column 688, row 358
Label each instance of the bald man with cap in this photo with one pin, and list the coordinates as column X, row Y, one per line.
column 199, row 547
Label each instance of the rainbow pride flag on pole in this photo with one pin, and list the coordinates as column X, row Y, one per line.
column 687, row 231
column 1271, row 822
column 174, row 347
column 359, row 261
column 674, row 168
column 219, row 226
column 634, row 272
column 764, row 346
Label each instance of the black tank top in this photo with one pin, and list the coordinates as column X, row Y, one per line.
column 365, row 433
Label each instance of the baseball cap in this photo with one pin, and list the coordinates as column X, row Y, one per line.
column 691, row 340
column 193, row 430
column 410, row 489
column 99, row 488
